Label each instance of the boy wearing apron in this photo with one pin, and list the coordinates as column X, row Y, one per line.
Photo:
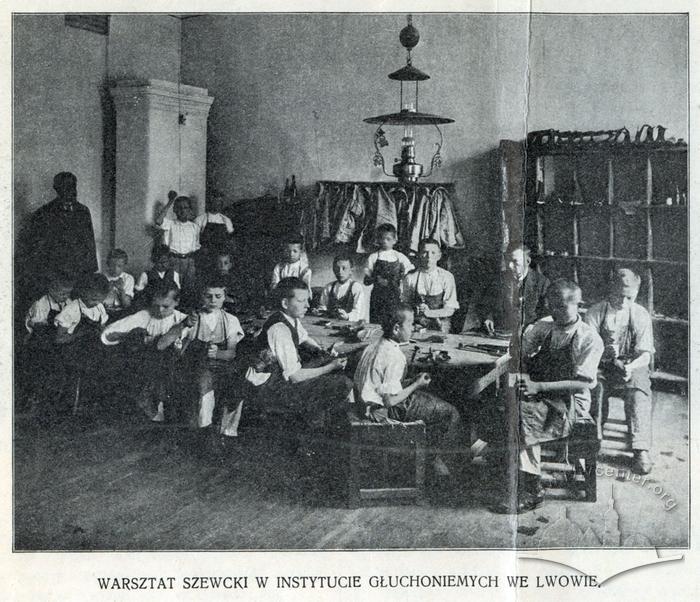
column 559, row 358
column 626, row 330
column 430, row 289
column 343, row 298
column 385, row 270
column 304, row 392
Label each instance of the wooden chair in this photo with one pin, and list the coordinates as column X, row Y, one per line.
column 575, row 457
column 381, row 453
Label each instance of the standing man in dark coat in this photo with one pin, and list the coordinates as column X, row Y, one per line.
column 521, row 297
column 59, row 240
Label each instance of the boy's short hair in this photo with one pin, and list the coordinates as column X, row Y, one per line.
column 518, row 245
column 213, row 280
column 159, row 251
column 428, row 241
column 92, row 283
column 286, row 287
column 344, row 256
column 626, row 282
column 165, row 288
column 61, row 280
column 394, row 317
column 183, row 199
column 118, row 254
column 562, row 288
column 293, row 239
column 385, row 229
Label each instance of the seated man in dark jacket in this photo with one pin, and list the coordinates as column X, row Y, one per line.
column 519, row 298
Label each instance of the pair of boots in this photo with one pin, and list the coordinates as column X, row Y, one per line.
column 530, row 495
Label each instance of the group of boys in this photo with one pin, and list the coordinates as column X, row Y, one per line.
column 76, row 323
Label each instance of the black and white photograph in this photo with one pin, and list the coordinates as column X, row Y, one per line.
column 350, row 281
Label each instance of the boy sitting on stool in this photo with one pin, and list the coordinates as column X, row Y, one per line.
column 302, row 391
column 560, row 356
column 626, row 330
column 378, row 387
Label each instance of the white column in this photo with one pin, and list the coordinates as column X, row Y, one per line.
column 161, row 146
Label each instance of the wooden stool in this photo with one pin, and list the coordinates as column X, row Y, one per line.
column 371, row 448
column 576, row 457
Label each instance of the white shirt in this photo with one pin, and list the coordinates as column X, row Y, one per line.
column 391, row 256
column 212, row 327
column 39, row 311
column 213, row 218
column 74, row 310
column 280, row 341
column 379, row 371
column 435, row 282
column 586, row 351
column 143, row 280
column 181, row 237
column 298, row 269
column 603, row 316
column 112, row 299
column 357, row 292
column 155, row 327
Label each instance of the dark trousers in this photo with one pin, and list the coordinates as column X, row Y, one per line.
column 441, row 418
column 309, row 399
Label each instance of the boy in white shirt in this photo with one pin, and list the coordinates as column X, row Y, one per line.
column 379, row 387
column 161, row 272
column 181, row 235
column 148, row 368
column 343, row 298
column 122, row 284
column 627, row 332
column 40, row 361
column 208, row 340
column 294, row 263
column 302, row 391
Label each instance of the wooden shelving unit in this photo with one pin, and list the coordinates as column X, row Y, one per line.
column 589, row 208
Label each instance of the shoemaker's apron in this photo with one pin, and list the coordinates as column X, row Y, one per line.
column 549, row 416
column 85, row 350
column 213, row 235
column 611, row 374
column 385, row 298
column 433, row 302
column 346, row 302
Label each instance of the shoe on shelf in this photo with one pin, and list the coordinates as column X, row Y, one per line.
column 642, row 463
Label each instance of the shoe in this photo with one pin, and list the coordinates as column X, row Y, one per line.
column 642, row 463
column 525, row 503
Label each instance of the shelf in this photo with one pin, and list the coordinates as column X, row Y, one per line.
column 607, row 207
column 669, row 377
column 615, row 259
column 667, row 320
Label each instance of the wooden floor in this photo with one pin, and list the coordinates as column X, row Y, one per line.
column 117, row 482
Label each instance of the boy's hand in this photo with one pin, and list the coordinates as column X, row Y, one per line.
column 422, row 308
column 381, row 281
column 527, row 387
column 139, row 332
column 212, row 350
column 342, row 314
column 339, row 363
column 423, row 380
column 192, row 320
column 489, row 326
column 332, row 351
